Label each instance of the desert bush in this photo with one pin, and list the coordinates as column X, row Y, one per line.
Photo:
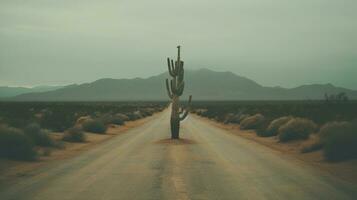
column 200, row 112
column 122, row 117
column 105, row 118
column 39, row 136
column 295, row 129
column 135, row 115
column 111, row 119
column 252, row 122
column 228, row 118
column 339, row 140
column 74, row 134
column 317, row 111
column 312, row 144
column 83, row 119
column 14, row 144
column 242, row 117
column 138, row 114
column 147, row 112
column 274, row 126
column 94, row 126
column 232, row 118
column 261, row 130
column 116, row 120
column 58, row 120
column 332, row 128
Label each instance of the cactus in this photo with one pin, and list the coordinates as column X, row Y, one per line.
column 175, row 89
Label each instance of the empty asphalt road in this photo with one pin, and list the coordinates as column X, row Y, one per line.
column 208, row 164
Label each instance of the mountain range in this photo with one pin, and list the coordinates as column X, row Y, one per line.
column 7, row 91
column 203, row 84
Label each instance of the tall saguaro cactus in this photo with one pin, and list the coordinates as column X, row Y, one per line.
column 175, row 90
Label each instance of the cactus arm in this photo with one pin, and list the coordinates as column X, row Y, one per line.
column 171, row 70
column 169, row 93
column 174, row 69
column 181, row 111
column 182, row 117
column 187, row 109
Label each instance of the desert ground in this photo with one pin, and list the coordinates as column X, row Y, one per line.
column 208, row 162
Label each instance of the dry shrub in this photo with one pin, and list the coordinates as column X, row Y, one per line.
column 296, row 129
column 111, row 119
column 74, row 134
column 122, row 117
column 116, row 120
column 242, row 117
column 252, row 122
column 135, row 115
column 81, row 120
column 14, row 144
column 39, row 136
column 234, row 118
column 94, row 126
column 312, row 144
column 274, row 126
column 200, row 112
column 339, row 140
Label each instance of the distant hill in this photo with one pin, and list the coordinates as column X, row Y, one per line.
column 6, row 91
column 203, row 84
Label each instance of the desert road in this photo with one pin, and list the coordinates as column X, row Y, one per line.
column 209, row 163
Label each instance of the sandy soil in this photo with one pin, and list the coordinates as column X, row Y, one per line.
column 11, row 169
column 346, row 170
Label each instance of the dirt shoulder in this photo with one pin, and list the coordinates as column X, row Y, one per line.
column 346, row 170
column 11, row 169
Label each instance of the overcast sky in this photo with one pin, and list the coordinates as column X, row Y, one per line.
column 274, row 42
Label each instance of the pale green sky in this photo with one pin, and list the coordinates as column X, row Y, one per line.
column 274, row 42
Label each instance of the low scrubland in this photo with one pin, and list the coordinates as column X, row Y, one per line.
column 331, row 128
column 27, row 129
column 74, row 134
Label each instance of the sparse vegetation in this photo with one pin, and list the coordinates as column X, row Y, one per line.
column 14, row 144
column 317, row 111
column 111, row 119
column 296, row 129
column 27, row 133
column 60, row 116
column 295, row 120
column 336, row 98
column 94, row 126
column 74, row 134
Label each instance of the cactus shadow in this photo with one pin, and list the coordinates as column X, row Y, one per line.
column 181, row 141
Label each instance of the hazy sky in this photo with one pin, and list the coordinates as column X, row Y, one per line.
column 274, row 42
